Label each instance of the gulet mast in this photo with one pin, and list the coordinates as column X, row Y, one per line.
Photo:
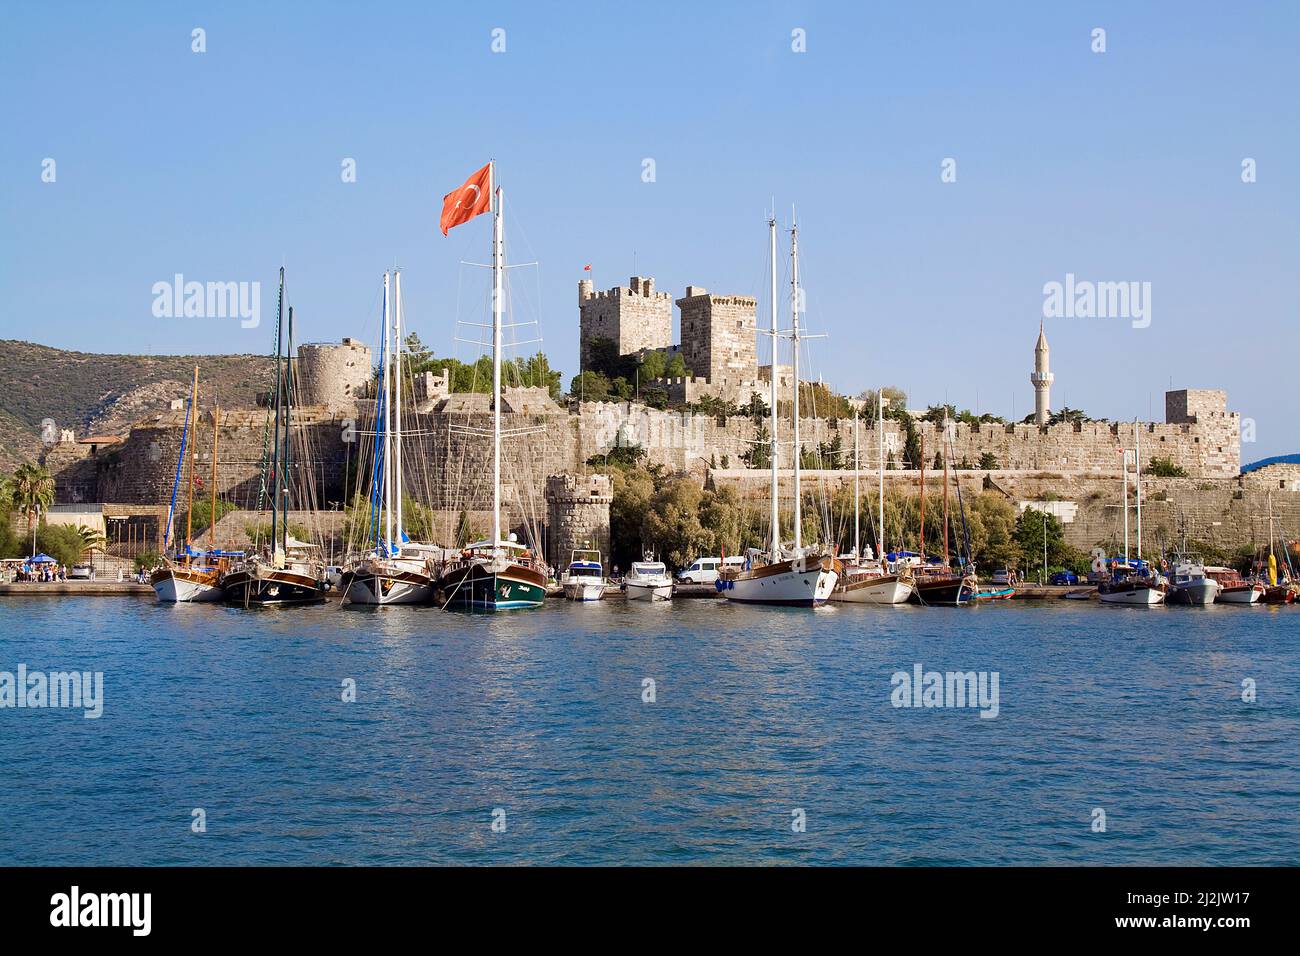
column 794, row 360
column 397, row 403
column 880, row 435
column 771, row 407
column 388, row 420
column 498, row 267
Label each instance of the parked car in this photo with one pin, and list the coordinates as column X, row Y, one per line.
column 1002, row 576
column 1064, row 577
column 701, row 571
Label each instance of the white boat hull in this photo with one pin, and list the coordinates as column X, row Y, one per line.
column 649, row 592
column 380, row 590
column 791, row 587
column 1138, row 595
column 1240, row 595
column 866, row 591
column 175, row 590
column 584, row 590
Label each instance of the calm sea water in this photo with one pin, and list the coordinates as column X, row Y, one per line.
column 758, row 713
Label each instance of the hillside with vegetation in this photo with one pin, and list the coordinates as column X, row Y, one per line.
column 90, row 392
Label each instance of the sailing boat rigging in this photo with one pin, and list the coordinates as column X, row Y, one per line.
column 495, row 574
column 797, row 576
column 875, row 581
column 188, row 575
column 396, row 570
column 292, row 572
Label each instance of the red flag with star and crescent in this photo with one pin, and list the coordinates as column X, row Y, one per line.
column 470, row 200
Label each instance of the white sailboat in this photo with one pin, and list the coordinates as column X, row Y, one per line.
column 797, row 576
column 396, row 570
column 872, row 582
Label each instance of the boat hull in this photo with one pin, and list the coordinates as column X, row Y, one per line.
column 477, row 587
column 883, row 589
column 184, row 586
column 269, row 587
column 945, row 591
column 1241, row 594
column 1004, row 593
column 1279, row 594
column 1197, row 593
column 649, row 592
column 798, row 583
column 384, row 588
column 1134, row 595
column 584, row 590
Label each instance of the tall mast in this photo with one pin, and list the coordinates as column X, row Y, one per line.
column 1137, row 478
column 1125, row 470
column 288, row 419
column 212, row 516
column 857, row 507
column 771, row 405
column 397, row 398
column 279, row 394
column 794, row 359
column 943, row 450
column 923, row 497
column 498, row 266
column 880, row 435
column 387, row 476
column 194, row 425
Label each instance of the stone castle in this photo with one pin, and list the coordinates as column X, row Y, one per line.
column 718, row 335
column 550, row 472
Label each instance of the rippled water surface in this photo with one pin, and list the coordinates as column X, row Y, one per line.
column 758, row 713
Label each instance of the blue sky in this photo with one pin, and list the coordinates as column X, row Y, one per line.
column 1119, row 166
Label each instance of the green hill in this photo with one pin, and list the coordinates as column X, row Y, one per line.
column 92, row 393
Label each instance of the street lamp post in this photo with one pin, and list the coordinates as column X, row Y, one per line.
column 1043, row 577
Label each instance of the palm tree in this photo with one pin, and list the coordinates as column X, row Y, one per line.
column 92, row 540
column 33, row 490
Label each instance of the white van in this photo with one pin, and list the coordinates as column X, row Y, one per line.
column 701, row 571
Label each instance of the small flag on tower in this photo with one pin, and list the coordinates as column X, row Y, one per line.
column 587, row 267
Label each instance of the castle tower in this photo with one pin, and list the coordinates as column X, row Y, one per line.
column 719, row 338
column 1041, row 378
column 333, row 374
column 577, row 513
column 633, row 318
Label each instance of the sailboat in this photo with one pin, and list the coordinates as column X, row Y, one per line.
column 799, row 576
column 495, row 574
column 872, row 582
column 396, row 570
column 1279, row 582
column 189, row 575
column 939, row 584
column 1132, row 581
column 293, row 571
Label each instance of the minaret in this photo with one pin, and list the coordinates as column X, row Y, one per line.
column 1041, row 379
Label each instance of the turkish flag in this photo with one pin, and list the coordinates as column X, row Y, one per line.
column 463, row 204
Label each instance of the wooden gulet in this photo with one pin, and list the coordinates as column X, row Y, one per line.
column 396, row 570
column 495, row 574
column 801, row 577
column 293, row 573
